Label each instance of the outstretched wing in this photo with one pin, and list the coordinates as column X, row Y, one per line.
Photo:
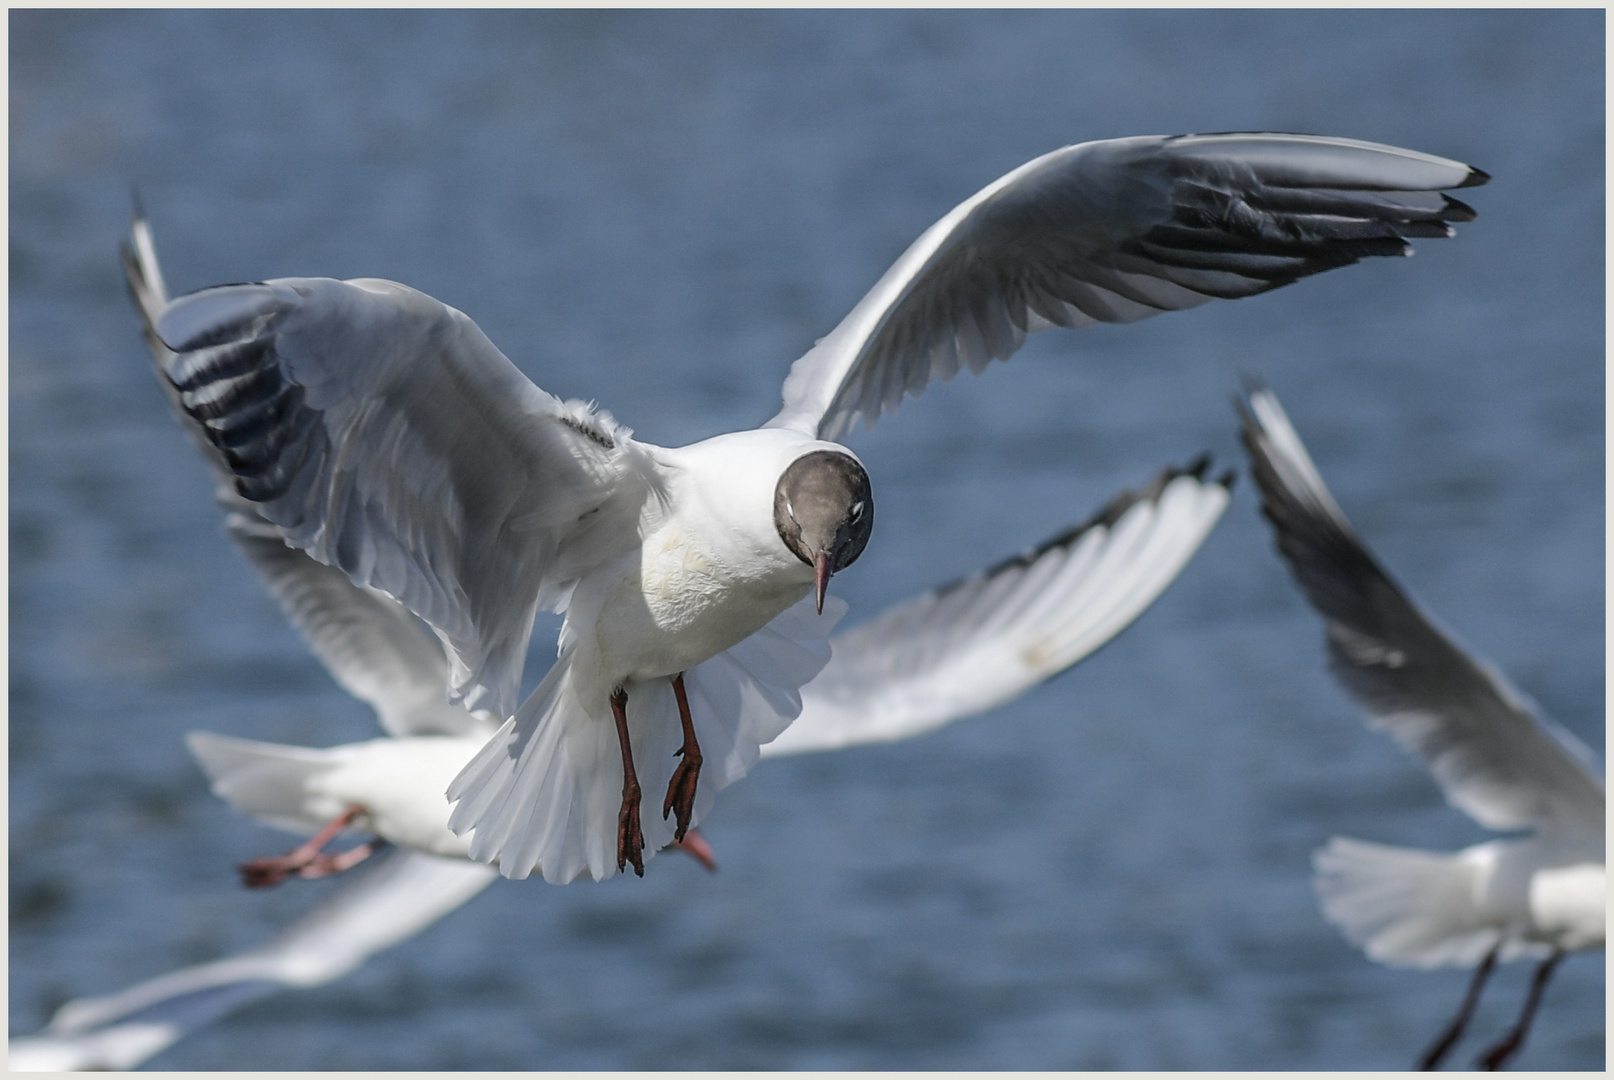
column 978, row 643
column 1115, row 231
column 402, row 893
column 371, row 644
column 1494, row 758
column 380, row 431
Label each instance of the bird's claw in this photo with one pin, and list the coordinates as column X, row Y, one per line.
column 681, row 791
column 308, row 860
column 629, row 837
column 272, row 870
column 267, row 871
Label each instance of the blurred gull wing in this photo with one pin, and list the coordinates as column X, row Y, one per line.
column 401, row 895
column 981, row 642
column 379, row 430
column 1495, row 759
column 1116, row 231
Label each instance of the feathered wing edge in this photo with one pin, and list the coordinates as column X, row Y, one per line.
column 983, row 641
column 1115, row 231
column 521, row 792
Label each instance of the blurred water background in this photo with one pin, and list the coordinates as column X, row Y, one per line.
column 661, row 210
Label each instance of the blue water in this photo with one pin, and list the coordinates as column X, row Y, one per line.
column 661, row 210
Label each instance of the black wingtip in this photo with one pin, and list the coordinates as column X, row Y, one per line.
column 1107, row 515
column 1457, row 210
column 1475, row 178
column 1228, row 479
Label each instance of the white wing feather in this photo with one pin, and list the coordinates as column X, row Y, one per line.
column 979, row 643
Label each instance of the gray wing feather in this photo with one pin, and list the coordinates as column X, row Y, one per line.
column 370, row 643
column 981, row 642
column 380, row 431
column 399, row 896
column 1494, row 758
column 1116, row 231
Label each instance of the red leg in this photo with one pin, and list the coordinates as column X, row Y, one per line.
column 681, row 791
column 1497, row 1056
column 1454, row 1030
column 629, row 838
column 272, row 870
column 325, row 865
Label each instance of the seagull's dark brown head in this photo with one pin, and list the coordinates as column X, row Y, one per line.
column 824, row 511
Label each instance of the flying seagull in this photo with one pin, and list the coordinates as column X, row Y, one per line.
column 1494, row 756
column 383, row 433
column 940, row 657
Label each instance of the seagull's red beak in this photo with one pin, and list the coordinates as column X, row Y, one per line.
column 821, row 572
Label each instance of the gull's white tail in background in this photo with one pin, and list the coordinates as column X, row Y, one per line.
column 274, row 783
column 1405, row 906
column 397, row 783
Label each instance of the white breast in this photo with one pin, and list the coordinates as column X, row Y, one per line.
column 711, row 569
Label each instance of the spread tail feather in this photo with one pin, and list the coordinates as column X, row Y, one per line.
column 1402, row 906
column 544, row 793
column 269, row 782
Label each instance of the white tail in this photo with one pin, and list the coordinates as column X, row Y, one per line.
column 544, row 793
column 269, row 782
column 1404, row 907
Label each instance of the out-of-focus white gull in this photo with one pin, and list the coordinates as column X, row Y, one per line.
column 1494, row 756
column 381, row 431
